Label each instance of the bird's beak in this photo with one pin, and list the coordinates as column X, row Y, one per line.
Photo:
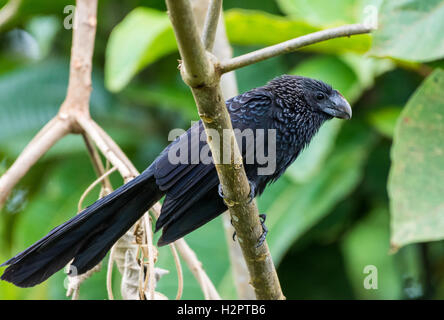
column 338, row 107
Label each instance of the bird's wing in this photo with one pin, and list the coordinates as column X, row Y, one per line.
column 188, row 185
column 249, row 110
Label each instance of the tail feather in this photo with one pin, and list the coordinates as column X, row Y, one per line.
column 87, row 237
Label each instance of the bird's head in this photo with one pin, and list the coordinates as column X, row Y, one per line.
column 315, row 95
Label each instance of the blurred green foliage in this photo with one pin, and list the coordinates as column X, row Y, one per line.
column 328, row 215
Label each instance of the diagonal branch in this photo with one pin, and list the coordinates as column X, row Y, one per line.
column 199, row 72
column 292, row 45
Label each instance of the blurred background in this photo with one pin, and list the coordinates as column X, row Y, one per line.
column 329, row 215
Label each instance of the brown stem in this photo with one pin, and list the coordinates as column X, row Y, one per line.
column 8, row 12
column 200, row 74
column 42, row 142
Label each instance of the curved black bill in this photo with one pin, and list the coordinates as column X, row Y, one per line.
column 338, row 107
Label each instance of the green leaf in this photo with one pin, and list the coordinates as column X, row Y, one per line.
column 248, row 27
column 141, row 38
column 327, row 13
column 384, row 120
column 410, row 30
column 368, row 244
column 296, row 207
column 415, row 184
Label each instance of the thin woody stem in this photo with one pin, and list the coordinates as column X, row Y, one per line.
column 211, row 21
column 292, row 45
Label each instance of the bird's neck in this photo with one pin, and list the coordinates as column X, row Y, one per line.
column 295, row 129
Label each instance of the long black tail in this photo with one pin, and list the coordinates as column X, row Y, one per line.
column 87, row 237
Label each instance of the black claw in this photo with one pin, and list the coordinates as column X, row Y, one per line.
column 251, row 195
column 220, row 191
column 252, row 191
column 261, row 240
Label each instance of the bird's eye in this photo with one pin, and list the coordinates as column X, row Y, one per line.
column 320, row 96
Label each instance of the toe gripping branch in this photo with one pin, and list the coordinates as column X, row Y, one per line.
column 261, row 239
column 251, row 195
column 262, row 217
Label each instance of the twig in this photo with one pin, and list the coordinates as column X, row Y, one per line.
column 292, row 45
column 179, row 271
column 109, row 275
column 223, row 51
column 110, row 153
column 74, row 283
column 195, row 66
column 150, row 281
column 97, row 162
column 211, row 21
column 196, row 268
column 204, row 83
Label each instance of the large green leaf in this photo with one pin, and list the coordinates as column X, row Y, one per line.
column 416, row 185
column 368, row 244
column 141, row 38
column 296, row 207
column 384, row 120
column 410, row 30
column 248, row 27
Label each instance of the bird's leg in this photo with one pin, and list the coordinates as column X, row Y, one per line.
column 251, row 197
column 261, row 240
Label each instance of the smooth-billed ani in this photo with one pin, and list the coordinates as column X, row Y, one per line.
column 295, row 107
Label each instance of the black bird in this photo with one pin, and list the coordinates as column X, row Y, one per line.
column 295, row 107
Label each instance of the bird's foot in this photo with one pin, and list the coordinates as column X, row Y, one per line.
column 221, row 192
column 252, row 191
column 251, row 195
column 261, row 240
